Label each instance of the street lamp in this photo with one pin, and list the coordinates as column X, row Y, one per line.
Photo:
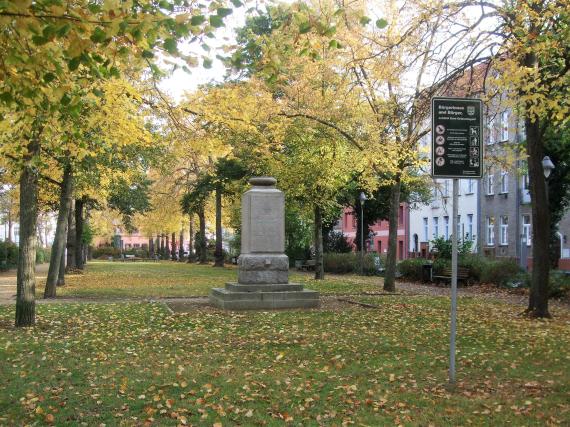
column 362, row 198
column 547, row 166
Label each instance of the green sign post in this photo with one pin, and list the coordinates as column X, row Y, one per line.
column 457, row 138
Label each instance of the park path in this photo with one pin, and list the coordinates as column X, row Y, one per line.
column 8, row 294
column 8, row 283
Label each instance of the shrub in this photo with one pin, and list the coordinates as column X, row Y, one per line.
column 475, row 264
column 500, row 272
column 442, row 247
column 335, row 242
column 8, row 255
column 439, row 265
column 42, row 255
column 105, row 251
column 411, row 269
column 350, row 263
column 559, row 285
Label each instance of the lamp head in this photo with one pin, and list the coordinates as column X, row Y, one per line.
column 362, row 197
column 547, row 166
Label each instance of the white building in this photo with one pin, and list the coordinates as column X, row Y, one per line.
column 433, row 220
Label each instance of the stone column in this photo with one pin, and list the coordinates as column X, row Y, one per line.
column 262, row 259
column 263, row 275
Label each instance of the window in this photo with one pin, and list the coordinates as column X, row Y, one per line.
column 490, row 182
column 401, row 215
column 491, row 127
column 470, row 226
column 435, row 227
column 505, row 125
column 525, row 183
column 426, row 236
column 353, row 221
column 470, row 186
column 504, row 182
column 526, row 232
column 504, row 230
column 490, row 231
column 446, row 222
column 446, row 188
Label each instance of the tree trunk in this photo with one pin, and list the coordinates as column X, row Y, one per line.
column 71, row 239
column 181, row 246
column 162, row 246
column 201, row 244
column 318, row 241
column 191, row 239
column 173, row 247
column 26, row 277
column 151, row 247
column 219, row 252
column 390, row 276
column 538, row 298
column 40, row 232
column 166, row 247
column 61, row 272
column 10, row 226
column 58, row 246
column 79, row 233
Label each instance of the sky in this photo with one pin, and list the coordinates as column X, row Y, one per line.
column 181, row 81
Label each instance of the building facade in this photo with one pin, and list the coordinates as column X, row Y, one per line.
column 428, row 222
column 376, row 240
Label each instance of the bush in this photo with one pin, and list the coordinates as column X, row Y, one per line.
column 442, row 247
column 350, row 263
column 335, row 242
column 42, row 255
column 559, row 285
column 439, row 265
column 8, row 255
column 105, row 251
column 411, row 269
column 475, row 264
column 500, row 272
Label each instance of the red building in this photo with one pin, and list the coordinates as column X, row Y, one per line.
column 379, row 242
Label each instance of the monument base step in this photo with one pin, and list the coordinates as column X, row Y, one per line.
column 264, row 300
column 271, row 287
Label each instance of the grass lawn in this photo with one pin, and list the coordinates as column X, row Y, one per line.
column 169, row 279
column 136, row 363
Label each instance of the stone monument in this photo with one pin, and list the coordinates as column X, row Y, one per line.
column 263, row 276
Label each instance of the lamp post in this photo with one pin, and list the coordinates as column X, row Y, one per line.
column 362, row 198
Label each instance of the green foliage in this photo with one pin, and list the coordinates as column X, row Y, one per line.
column 500, row 272
column 130, row 198
column 343, row 263
column 42, row 255
column 104, row 252
column 559, row 285
column 88, row 233
column 411, row 269
column 8, row 255
column 336, row 242
column 298, row 235
column 442, row 247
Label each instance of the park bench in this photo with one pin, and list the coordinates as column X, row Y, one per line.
column 462, row 274
column 308, row 265
column 132, row 258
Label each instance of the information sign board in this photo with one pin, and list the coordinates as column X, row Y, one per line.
column 457, row 137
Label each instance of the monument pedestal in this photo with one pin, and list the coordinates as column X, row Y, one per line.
column 263, row 277
column 264, row 297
